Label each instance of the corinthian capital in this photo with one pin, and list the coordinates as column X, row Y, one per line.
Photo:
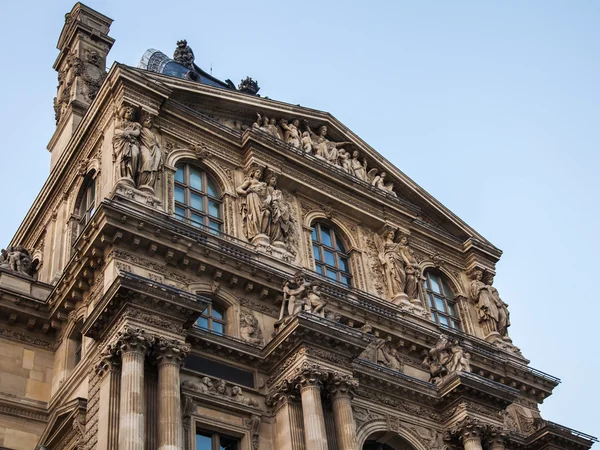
column 108, row 360
column 311, row 375
column 170, row 351
column 467, row 429
column 134, row 340
column 342, row 385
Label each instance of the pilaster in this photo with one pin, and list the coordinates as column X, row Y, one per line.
column 310, row 381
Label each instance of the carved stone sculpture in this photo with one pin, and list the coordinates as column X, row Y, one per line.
column 300, row 295
column 249, row 86
column 206, row 386
column 184, row 55
column 359, row 168
column 387, row 356
column 379, row 181
column 291, row 132
column 491, row 310
column 401, row 269
column 249, row 328
column 446, row 358
column 151, row 156
column 266, row 214
column 323, row 147
column 16, row 258
column 237, row 395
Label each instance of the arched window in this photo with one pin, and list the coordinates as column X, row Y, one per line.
column 87, row 202
column 331, row 258
column 214, row 318
column 441, row 300
column 197, row 198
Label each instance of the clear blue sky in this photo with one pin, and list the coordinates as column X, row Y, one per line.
column 492, row 107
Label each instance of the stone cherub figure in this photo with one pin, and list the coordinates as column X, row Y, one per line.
column 401, row 269
column 446, row 358
column 300, row 295
column 17, row 259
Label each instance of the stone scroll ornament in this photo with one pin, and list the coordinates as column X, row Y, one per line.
column 268, row 218
column 300, row 295
column 402, row 272
column 445, row 358
column 491, row 310
column 17, row 259
column 319, row 145
column 137, row 151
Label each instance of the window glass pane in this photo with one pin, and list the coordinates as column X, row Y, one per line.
column 447, row 291
column 431, row 301
column 203, row 442
column 320, row 269
column 214, row 209
column 214, row 225
column 435, row 286
column 317, row 253
column 179, row 194
column 217, row 312
column 179, row 211
column 452, row 309
column 331, row 274
column 195, row 178
column 329, row 257
column 202, row 322
column 439, row 304
column 212, row 188
column 326, row 236
column 433, row 317
column 344, row 265
column 218, row 328
column 197, row 220
column 444, row 321
column 197, row 201
column 346, row 280
column 228, row 444
column 338, row 244
column 456, row 324
column 314, row 234
column 179, row 175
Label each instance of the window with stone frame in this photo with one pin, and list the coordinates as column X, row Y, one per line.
column 197, row 198
column 86, row 202
column 211, row 440
column 440, row 298
column 331, row 257
column 213, row 318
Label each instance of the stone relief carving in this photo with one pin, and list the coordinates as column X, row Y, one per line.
column 387, row 356
column 401, row 269
column 491, row 310
column 137, row 151
column 17, row 259
column 300, row 295
column 321, row 146
column 268, row 218
column 184, row 55
column 250, row 329
column 207, row 386
column 446, row 358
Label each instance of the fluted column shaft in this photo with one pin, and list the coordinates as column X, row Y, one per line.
column 315, row 435
column 345, row 427
column 471, row 441
column 133, row 403
column 170, row 356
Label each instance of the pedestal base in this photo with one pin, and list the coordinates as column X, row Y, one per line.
column 126, row 187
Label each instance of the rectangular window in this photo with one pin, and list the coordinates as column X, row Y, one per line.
column 217, row 369
column 208, row 440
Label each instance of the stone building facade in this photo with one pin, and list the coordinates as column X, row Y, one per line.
column 209, row 269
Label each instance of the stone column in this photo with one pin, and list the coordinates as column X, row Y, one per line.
column 315, row 434
column 471, row 436
column 169, row 355
column 133, row 344
column 288, row 417
column 342, row 388
column 108, row 369
column 495, row 440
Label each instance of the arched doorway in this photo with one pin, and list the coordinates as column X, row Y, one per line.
column 386, row 440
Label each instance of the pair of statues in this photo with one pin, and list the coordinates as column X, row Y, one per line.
column 492, row 311
column 445, row 358
column 301, row 295
column 402, row 272
column 319, row 145
column 137, row 150
column 266, row 215
column 16, row 258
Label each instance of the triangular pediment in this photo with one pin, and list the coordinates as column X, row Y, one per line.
column 232, row 114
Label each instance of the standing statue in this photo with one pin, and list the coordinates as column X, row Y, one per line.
column 323, row 147
column 274, row 129
column 151, row 156
column 485, row 303
column 255, row 204
column 126, row 144
column 281, row 229
column 503, row 314
column 400, row 267
column 291, row 133
column 306, row 141
column 359, row 168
